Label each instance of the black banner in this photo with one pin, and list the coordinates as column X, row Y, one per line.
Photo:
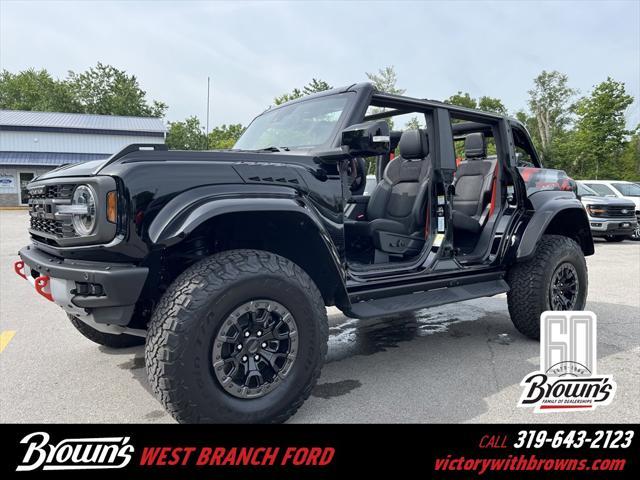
column 320, row 451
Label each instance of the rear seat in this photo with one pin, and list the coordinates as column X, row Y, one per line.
column 473, row 186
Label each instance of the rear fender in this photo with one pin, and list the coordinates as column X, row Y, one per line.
column 558, row 213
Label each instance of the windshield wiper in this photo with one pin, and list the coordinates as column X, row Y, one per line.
column 273, row 149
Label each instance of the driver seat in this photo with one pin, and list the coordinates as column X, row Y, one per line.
column 396, row 209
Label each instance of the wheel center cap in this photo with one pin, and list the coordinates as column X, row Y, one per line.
column 252, row 345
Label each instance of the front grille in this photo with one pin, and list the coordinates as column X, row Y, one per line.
column 619, row 211
column 611, row 211
column 57, row 228
column 53, row 191
column 42, row 210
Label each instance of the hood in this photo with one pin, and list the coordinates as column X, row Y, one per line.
column 593, row 200
column 635, row 200
column 83, row 169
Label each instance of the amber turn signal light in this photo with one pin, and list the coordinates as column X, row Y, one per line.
column 112, row 206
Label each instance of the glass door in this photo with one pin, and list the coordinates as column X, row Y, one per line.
column 25, row 178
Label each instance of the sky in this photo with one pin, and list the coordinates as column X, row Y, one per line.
column 254, row 51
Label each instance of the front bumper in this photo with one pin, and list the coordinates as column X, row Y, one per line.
column 609, row 226
column 104, row 293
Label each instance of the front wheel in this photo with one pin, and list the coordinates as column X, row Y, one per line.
column 239, row 337
column 554, row 279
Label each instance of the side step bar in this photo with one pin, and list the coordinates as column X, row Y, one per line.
column 432, row 298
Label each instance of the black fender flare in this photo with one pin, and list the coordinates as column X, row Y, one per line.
column 192, row 208
column 550, row 208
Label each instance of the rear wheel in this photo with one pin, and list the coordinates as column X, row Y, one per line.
column 615, row 238
column 107, row 339
column 239, row 337
column 554, row 279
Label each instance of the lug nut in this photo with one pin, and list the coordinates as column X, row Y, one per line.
column 244, row 358
column 264, row 345
column 239, row 347
column 256, row 358
column 246, row 334
column 259, row 333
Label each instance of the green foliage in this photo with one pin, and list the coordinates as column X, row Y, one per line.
column 225, row 136
column 190, row 135
column 549, row 101
column 462, row 100
column 187, row 135
column 490, row 104
column 105, row 90
column 385, row 80
column 102, row 89
column 600, row 130
column 413, row 124
column 487, row 104
column 630, row 159
column 35, row 90
column 314, row 86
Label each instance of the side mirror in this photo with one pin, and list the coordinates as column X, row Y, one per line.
column 367, row 139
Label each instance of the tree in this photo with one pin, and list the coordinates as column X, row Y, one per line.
column 225, row 136
column 187, row 135
column 385, row 80
column 105, row 90
column 490, row 104
column 102, row 89
column 462, row 100
column 549, row 101
column 601, row 135
column 413, row 124
column 630, row 159
column 314, row 86
column 35, row 90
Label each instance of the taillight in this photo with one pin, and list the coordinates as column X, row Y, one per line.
column 112, row 206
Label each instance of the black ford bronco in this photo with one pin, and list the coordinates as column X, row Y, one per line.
column 222, row 262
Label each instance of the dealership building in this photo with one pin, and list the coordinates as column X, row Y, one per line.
column 32, row 143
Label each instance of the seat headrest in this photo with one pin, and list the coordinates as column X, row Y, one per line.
column 394, row 139
column 414, row 144
column 475, row 146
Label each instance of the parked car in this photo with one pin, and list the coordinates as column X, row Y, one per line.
column 226, row 260
column 612, row 218
column 620, row 189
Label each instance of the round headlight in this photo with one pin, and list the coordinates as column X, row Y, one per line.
column 85, row 222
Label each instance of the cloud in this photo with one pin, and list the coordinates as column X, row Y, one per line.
column 254, row 51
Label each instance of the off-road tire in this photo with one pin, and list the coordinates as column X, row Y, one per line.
column 189, row 315
column 107, row 339
column 529, row 282
column 616, row 238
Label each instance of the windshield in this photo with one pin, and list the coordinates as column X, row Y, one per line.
column 585, row 191
column 305, row 124
column 627, row 189
column 602, row 189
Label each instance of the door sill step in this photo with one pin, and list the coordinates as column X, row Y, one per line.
column 432, row 298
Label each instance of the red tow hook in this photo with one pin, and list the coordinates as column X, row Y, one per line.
column 42, row 282
column 18, row 267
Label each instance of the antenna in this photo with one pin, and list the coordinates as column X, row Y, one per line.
column 208, row 91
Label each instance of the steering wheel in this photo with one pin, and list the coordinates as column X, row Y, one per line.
column 357, row 173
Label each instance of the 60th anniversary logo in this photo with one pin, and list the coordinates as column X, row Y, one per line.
column 118, row 452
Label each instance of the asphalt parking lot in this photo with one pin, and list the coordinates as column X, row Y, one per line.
column 458, row 363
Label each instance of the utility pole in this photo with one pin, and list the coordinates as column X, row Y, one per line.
column 208, row 91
